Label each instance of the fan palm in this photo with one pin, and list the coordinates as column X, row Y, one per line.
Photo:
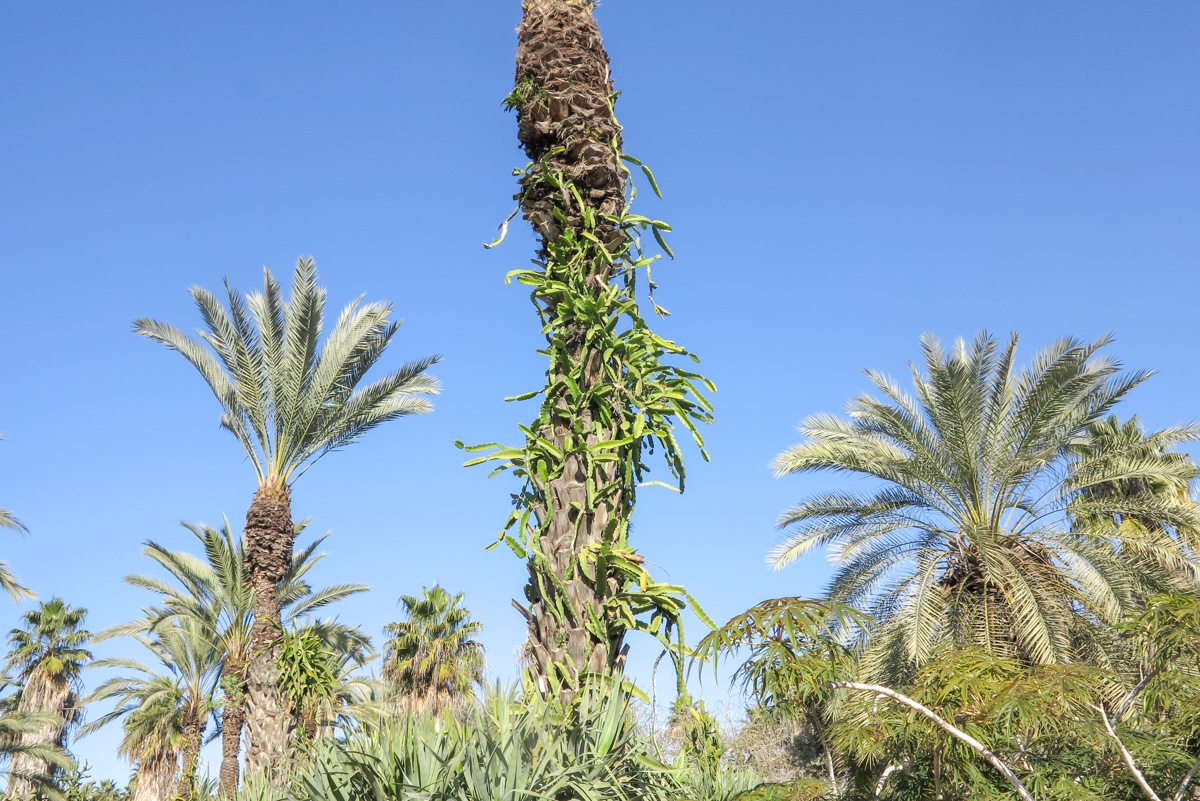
column 166, row 710
column 430, row 659
column 967, row 536
column 214, row 594
column 8, row 582
column 16, row 747
column 47, row 657
column 289, row 400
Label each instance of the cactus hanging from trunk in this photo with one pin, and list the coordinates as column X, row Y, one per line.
column 609, row 398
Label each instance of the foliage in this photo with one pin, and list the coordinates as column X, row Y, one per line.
column 215, row 592
column 506, row 749
column 702, row 769
column 615, row 416
column 1067, row 730
column 51, row 639
column 288, row 398
column 76, row 786
column 41, row 764
column 165, row 707
column 431, row 659
column 8, row 582
column 976, row 533
column 309, row 674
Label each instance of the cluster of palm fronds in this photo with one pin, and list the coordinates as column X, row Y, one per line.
column 1015, row 603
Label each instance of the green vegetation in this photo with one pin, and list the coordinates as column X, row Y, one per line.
column 1015, row 611
column 8, row 581
column 289, row 399
column 430, row 660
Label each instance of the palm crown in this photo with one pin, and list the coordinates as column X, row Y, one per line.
column 288, row 399
column 968, row 536
column 51, row 640
column 431, row 658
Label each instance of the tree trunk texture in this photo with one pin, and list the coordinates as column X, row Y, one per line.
column 43, row 694
column 269, row 539
column 233, row 718
column 562, row 69
column 156, row 777
column 193, row 734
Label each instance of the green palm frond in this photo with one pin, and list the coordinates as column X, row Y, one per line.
column 8, row 582
column 288, row 398
column 1005, row 506
column 51, row 638
column 432, row 658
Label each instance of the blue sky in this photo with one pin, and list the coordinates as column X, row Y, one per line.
column 842, row 177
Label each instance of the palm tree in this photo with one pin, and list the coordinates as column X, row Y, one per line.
column 430, row 660
column 967, row 536
column 16, row 745
column 610, row 395
column 48, row 655
column 8, row 581
column 214, row 594
column 1109, row 440
column 289, row 400
column 166, row 710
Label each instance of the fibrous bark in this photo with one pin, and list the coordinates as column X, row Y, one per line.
column 269, row 539
column 156, row 777
column 563, row 80
column 233, row 718
column 46, row 695
column 193, row 734
column 564, row 102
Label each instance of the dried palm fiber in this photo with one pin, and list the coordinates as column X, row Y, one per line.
column 43, row 694
column 156, row 777
column 562, row 70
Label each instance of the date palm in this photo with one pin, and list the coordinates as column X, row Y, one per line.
column 48, row 655
column 1112, row 439
column 8, row 582
column 430, row 660
column 289, row 400
column 213, row 592
column 968, row 533
column 166, row 708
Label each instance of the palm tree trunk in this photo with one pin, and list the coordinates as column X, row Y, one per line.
column 43, row 694
column 156, row 777
column 269, row 539
column 193, row 733
column 566, row 124
column 233, row 718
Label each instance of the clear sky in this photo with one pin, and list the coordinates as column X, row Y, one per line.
column 842, row 177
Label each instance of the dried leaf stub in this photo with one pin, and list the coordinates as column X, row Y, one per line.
column 564, row 94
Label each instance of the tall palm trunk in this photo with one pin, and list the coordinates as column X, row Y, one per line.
column 193, row 734
column 233, row 718
column 43, row 694
column 567, row 126
column 269, row 539
column 156, row 777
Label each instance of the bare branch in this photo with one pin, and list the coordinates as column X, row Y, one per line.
column 945, row 726
column 1187, row 780
column 1128, row 757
